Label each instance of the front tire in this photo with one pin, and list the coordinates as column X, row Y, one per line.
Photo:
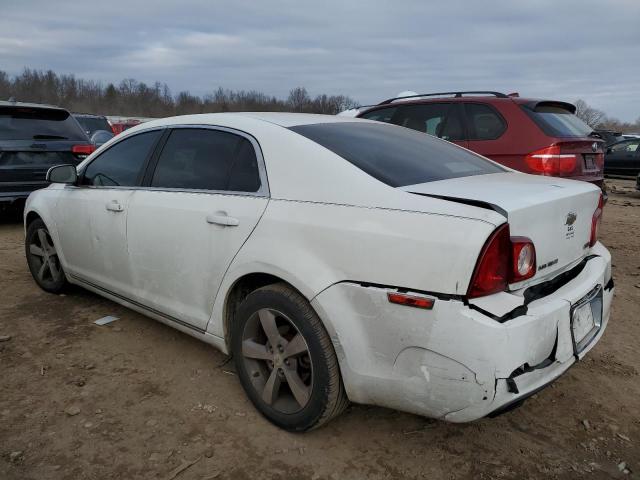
column 42, row 258
column 285, row 360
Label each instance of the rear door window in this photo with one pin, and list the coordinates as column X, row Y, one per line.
column 557, row 120
column 26, row 123
column 206, row 159
column 121, row 165
column 442, row 120
column 396, row 156
column 483, row 122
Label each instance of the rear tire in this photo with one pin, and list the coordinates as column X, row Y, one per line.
column 42, row 258
column 285, row 360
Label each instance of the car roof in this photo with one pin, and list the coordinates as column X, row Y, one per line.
column 235, row 119
column 532, row 102
column 5, row 103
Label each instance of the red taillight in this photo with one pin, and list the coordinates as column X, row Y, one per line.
column 503, row 260
column 595, row 222
column 549, row 161
column 492, row 269
column 411, row 300
column 83, row 150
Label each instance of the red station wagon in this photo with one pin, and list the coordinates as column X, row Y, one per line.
column 542, row 137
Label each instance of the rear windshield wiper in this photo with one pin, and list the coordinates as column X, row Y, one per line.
column 595, row 135
column 49, row 137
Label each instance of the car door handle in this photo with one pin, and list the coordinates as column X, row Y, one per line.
column 222, row 219
column 114, row 206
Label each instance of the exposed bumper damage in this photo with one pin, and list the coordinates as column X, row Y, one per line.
column 455, row 362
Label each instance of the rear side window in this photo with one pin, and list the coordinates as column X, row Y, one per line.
column 483, row 122
column 122, row 163
column 24, row 123
column 396, row 156
column 205, row 159
column 557, row 120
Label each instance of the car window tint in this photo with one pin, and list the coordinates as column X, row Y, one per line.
column 205, row 159
column 483, row 122
column 27, row 123
column 121, row 164
column 557, row 120
column 244, row 175
column 437, row 119
column 380, row 115
column 396, row 156
column 93, row 124
column 629, row 146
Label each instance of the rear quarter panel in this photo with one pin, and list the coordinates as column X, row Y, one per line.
column 315, row 245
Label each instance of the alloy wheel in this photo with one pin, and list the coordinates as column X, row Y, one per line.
column 276, row 357
column 45, row 257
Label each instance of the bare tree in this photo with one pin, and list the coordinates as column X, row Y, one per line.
column 589, row 115
column 299, row 99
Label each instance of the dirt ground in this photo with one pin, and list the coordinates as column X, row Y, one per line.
column 136, row 399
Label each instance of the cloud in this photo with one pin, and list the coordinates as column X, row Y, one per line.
column 367, row 49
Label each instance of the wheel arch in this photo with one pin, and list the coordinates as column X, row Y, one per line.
column 242, row 286
column 30, row 217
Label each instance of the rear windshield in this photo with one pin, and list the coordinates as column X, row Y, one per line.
column 93, row 124
column 24, row 123
column 557, row 121
column 395, row 155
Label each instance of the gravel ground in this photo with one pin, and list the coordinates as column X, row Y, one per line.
column 136, row 399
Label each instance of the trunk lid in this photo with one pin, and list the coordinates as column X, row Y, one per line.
column 589, row 154
column 554, row 213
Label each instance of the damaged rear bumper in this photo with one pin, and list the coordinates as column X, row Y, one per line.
column 455, row 362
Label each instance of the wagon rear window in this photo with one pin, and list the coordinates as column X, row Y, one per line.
column 25, row 123
column 557, row 120
column 395, row 155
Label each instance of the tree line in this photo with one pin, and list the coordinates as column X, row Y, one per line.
column 598, row 119
column 133, row 98
column 137, row 99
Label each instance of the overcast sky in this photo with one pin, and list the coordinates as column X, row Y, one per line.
column 369, row 50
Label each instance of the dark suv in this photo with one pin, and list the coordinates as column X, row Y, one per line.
column 33, row 138
column 542, row 137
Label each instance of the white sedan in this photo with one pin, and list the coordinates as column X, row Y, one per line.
column 336, row 259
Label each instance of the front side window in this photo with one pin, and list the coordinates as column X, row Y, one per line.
column 483, row 122
column 630, row 146
column 396, row 156
column 206, row 159
column 380, row 115
column 122, row 163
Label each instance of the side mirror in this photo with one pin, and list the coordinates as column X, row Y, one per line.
column 608, row 149
column 62, row 174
